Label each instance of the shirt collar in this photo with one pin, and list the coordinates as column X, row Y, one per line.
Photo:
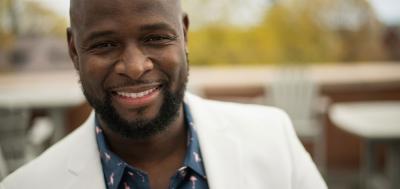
column 193, row 158
column 114, row 166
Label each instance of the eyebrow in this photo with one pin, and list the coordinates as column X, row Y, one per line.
column 98, row 34
column 157, row 26
column 149, row 27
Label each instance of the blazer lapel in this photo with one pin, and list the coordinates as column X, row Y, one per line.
column 84, row 163
column 219, row 148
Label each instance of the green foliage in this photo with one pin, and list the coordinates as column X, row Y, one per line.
column 286, row 35
column 6, row 35
column 27, row 18
column 42, row 21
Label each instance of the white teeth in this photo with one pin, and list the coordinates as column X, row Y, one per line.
column 136, row 95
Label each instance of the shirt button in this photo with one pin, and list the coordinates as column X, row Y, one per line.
column 182, row 172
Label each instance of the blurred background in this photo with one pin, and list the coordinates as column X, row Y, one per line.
column 333, row 65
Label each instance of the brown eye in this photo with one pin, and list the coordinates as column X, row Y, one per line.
column 104, row 45
column 158, row 39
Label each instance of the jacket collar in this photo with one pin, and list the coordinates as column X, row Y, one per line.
column 219, row 147
column 84, row 159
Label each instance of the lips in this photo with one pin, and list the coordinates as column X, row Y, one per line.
column 136, row 96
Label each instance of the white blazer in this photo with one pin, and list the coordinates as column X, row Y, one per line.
column 243, row 147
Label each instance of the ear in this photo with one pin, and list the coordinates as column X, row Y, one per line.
column 185, row 21
column 72, row 48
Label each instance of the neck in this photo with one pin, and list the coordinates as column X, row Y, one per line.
column 167, row 146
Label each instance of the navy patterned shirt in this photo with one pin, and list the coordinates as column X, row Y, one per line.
column 119, row 175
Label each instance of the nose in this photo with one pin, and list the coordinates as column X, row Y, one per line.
column 133, row 63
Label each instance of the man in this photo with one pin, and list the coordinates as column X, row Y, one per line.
column 145, row 132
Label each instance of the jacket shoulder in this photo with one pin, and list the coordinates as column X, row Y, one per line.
column 232, row 107
column 250, row 114
column 53, row 163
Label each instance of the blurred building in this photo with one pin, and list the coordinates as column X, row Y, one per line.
column 36, row 53
column 391, row 41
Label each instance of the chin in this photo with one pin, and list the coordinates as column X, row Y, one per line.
column 149, row 112
column 143, row 115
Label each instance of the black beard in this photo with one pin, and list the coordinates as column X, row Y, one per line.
column 139, row 128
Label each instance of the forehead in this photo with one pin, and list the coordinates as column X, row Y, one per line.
column 86, row 14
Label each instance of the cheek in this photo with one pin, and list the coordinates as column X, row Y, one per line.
column 173, row 64
column 93, row 71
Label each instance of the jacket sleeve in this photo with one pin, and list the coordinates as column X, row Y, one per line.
column 305, row 174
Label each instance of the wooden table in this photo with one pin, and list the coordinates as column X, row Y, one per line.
column 377, row 123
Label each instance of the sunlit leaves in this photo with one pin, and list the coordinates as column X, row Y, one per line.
column 292, row 32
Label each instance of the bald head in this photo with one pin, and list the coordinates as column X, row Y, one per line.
column 79, row 9
column 123, row 19
column 88, row 16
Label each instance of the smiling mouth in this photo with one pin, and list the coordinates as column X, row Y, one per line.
column 136, row 95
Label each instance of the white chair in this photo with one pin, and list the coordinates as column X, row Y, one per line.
column 18, row 143
column 39, row 136
column 3, row 166
column 293, row 91
column 13, row 140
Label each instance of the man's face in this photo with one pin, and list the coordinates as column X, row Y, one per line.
column 131, row 58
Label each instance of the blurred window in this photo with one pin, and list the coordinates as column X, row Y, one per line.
column 19, row 57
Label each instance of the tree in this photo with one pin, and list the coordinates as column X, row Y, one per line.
column 8, row 23
column 293, row 31
column 27, row 18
